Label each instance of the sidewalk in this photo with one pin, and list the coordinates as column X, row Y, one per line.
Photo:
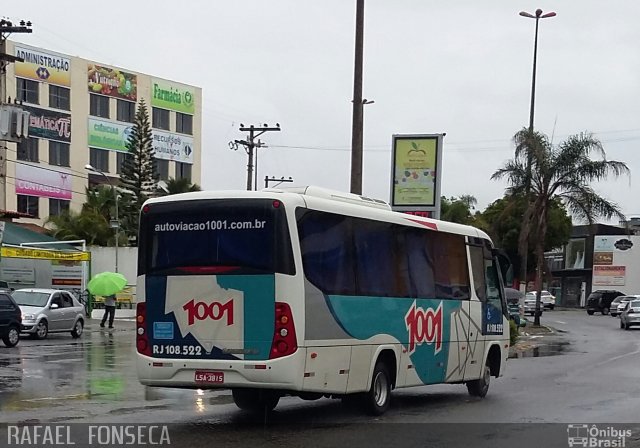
column 537, row 341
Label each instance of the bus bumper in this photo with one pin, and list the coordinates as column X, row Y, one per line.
column 284, row 373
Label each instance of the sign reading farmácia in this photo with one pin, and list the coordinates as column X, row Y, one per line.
column 112, row 82
column 172, row 96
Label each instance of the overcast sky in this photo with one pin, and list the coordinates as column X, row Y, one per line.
column 458, row 67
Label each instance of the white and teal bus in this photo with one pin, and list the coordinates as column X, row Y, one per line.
column 314, row 293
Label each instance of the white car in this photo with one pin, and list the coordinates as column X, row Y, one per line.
column 547, row 299
column 530, row 305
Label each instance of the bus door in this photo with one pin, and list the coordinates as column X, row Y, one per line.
column 480, row 258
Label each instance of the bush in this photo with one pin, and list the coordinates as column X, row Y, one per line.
column 513, row 332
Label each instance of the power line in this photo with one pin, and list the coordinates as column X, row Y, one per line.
column 49, row 169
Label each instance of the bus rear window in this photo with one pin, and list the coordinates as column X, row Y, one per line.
column 235, row 236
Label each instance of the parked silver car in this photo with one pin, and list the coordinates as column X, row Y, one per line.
column 619, row 304
column 47, row 311
column 631, row 314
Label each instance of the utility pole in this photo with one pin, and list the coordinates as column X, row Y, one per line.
column 267, row 179
column 356, row 130
column 250, row 146
column 6, row 28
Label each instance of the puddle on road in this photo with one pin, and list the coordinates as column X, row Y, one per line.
column 97, row 373
column 552, row 349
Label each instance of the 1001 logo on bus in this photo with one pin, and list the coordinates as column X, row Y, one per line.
column 424, row 326
column 214, row 310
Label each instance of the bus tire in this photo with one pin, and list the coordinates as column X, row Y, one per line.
column 255, row 400
column 377, row 400
column 480, row 387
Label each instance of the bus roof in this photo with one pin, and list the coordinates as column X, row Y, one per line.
column 330, row 201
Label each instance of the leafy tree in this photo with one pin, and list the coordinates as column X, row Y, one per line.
column 564, row 173
column 457, row 210
column 502, row 220
column 138, row 177
column 177, row 186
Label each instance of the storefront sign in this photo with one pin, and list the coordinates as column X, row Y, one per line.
column 43, row 254
column 49, row 124
column 43, row 66
column 32, row 180
column 66, row 273
column 609, row 275
column 112, row 82
column 25, row 276
column 172, row 96
column 603, row 258
column 169, row 146
column 108, row 134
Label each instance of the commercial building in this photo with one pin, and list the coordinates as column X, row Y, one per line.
column 82, row 113
column 598, row 256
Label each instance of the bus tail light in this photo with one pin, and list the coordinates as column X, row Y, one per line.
column 142, row 339
column 284, row 337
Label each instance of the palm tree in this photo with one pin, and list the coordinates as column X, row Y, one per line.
column 177, row 186
column 92, row 223
column 87, row 225
column 100, row 199
column 563, row 172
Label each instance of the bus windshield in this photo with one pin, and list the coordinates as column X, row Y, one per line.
column 234, row 236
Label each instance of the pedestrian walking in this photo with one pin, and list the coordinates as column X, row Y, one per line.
column 109, row 310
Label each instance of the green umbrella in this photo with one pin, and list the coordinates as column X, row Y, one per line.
column 106, row 284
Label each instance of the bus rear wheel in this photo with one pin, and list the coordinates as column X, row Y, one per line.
column 255, row 400
column 480, row 387
column 377, row 400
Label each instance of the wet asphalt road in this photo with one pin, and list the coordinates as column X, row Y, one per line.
column 592, row 376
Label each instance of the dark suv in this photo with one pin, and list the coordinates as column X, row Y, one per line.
column 601, row 299
column 10, row 320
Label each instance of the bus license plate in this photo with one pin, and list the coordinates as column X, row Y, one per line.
column 204, row 376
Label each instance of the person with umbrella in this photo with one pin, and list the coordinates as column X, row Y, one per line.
column 109, row 310
column 107, row 284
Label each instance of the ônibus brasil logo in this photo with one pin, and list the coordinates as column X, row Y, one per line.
column 424, row 326
column 214, row 310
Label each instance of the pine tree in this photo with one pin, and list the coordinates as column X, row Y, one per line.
column 138, row 177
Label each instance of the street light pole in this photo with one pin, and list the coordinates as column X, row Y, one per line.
column 528, row 213
column 537, row 17
column 114, row 224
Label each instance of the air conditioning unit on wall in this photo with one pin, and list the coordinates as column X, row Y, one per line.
column 14, row 123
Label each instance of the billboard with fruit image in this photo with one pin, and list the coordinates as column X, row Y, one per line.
column 415, row 170
column 112, row 82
